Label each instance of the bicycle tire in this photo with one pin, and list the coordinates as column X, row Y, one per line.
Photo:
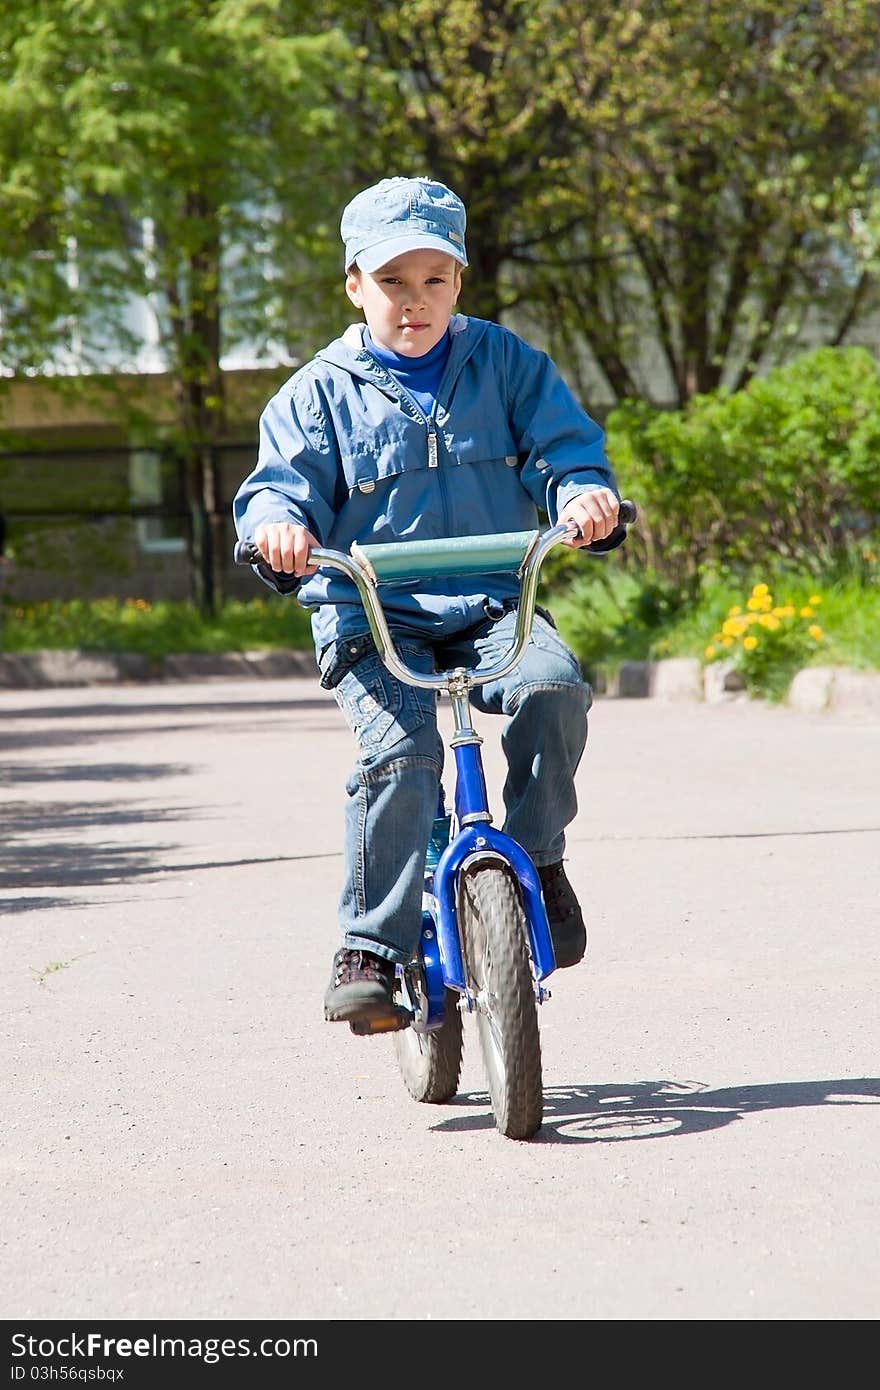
column 494, row 932
column 430, row 1063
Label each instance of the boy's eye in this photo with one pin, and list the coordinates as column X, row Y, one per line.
column 396, row 280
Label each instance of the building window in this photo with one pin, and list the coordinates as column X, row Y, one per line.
column 154, row 481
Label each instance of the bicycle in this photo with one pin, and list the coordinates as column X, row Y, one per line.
column 485, row 948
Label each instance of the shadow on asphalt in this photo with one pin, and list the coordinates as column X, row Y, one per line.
column 31, row 860
column 77, row 736
column 24, row 773
column 122, row 710
column 614, row 1114
column 10, row 905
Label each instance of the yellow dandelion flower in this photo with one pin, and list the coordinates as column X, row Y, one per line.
column 755, row 603
column 787, row 611
column 815, row 632
column 806, row 611
column 727, row 641
column 710, row 652
column 732, row 627
column 750, row 643
column 734, row 612
column 815, row 600
column 769, row 621
column 760, row 590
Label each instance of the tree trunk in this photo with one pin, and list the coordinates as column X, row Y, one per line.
column 201, row 403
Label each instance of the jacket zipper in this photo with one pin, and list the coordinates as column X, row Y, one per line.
column 427, row 420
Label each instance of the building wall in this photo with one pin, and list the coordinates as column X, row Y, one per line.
column 76, row 459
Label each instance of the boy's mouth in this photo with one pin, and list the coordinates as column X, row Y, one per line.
column 412, row 327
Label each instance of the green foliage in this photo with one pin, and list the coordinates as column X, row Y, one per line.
column 133, row 625
column 661, row 195
column 609, row 615
column 173, row 152
column 786, row 468
column 203, row 118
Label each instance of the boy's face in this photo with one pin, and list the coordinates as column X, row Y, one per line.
column 408, row 302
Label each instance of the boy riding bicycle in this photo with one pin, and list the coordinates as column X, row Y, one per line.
column 417, row 424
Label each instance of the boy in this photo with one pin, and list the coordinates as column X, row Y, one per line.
column 422, row 423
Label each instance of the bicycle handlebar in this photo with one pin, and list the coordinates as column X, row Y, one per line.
column 369, row 566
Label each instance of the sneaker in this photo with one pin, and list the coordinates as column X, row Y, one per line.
column 361, row 991
column 567, row 930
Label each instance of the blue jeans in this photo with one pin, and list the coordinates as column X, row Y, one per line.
column 393, row 789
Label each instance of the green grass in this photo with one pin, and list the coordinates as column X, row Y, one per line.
column 155, row 630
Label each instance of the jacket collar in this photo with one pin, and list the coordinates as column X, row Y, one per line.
column 349, row 352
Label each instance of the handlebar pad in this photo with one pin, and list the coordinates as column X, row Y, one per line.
column 459, row 554
column 451, row 555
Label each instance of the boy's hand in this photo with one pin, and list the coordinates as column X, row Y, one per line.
column 285, row 547
column 595, row 513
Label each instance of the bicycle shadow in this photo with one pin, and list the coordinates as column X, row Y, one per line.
column 613, row 1114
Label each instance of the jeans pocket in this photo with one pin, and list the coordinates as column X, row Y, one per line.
column 338, row 657
column 379, row 709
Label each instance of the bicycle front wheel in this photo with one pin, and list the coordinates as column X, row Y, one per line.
column 494, row 932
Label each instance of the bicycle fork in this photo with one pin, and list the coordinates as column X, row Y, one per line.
column 477, row 839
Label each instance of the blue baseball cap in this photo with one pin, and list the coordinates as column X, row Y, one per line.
column 398, row 215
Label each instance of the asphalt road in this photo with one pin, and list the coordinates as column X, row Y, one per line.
column 184, row 1136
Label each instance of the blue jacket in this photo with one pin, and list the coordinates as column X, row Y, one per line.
column 346, row 451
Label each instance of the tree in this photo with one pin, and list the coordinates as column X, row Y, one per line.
column 189, row 118
column 666, row 190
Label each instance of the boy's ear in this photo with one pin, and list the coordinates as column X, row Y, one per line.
column 457, row 284
column 353, row 289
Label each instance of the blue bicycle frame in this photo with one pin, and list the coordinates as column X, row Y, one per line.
column 475, row 839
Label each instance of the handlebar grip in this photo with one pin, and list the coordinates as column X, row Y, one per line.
column 628, row 513
column 245, row 553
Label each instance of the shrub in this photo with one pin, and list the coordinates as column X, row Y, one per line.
column 786, row 467
column 610, row 616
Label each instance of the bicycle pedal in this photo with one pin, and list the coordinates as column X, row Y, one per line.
column 388, row 1023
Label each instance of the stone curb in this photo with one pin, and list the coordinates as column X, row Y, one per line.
column 814, row 690
column 679, row 679
column 43, row 669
